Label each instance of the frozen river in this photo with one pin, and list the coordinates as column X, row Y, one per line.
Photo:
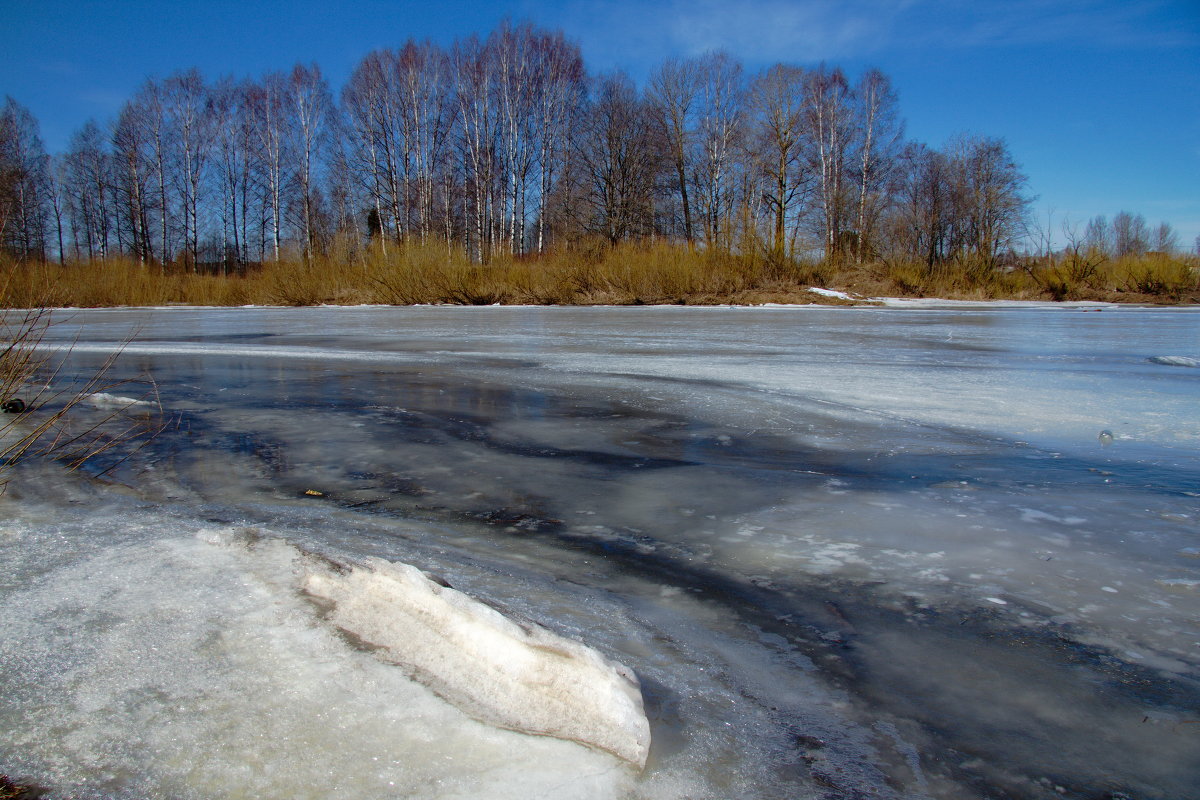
column 859, row 552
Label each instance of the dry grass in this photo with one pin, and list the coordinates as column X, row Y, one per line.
column 50, row 414
column 1154, row 277
column 590, row 273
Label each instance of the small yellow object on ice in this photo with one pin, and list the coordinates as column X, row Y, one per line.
column 314, row 493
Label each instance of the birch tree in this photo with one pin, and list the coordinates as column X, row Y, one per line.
column 191, row 120
column 88, row 185
column 479, row 131
column 269, row 106
column 718, row 134
column 777, row 106
column 144, row 136
column 879, row 131
column 559, row 76
column 309, row 127
column 672, row 94
column 23, row 183
column 829, row 117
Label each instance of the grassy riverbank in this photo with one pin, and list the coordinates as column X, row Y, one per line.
column 591, row 275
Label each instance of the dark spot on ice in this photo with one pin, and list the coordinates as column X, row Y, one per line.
column 808, row 742
column 13, row 405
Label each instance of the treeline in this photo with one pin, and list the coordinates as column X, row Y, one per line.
column 506, row 146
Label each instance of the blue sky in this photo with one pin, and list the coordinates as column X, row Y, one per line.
column 1099, row 100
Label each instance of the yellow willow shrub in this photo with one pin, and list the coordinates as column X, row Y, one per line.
column 404, row 274
column 663, row 272
column 316, row 281
column 966, row 278
column 1155, row 274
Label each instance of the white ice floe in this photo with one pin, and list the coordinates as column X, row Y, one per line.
column 105, row 400
column 516, row 676
column 1176, row 361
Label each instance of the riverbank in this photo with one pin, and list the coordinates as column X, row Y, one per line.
column 654, row 274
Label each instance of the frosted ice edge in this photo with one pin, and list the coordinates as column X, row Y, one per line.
column 516, row 676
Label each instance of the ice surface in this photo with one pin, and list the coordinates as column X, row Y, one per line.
column 521, row 677
column 848, row 551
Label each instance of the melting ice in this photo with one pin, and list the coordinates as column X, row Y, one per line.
column 844, row 553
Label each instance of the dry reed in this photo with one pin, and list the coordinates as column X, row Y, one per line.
column 48, row 413
column 586, row 274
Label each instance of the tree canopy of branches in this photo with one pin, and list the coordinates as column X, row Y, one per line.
column 504, row 145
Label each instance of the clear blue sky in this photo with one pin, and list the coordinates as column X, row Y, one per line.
column 1099, row 100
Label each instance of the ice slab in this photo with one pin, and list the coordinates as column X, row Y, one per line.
column 105, row 400
column 516, row 676
column 1176, row 361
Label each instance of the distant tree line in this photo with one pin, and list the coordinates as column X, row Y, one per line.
column 506, row 145
column 1128, row 235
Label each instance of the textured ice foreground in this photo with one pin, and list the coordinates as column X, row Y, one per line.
column 515, row 676
column 849, row 553
column 193, row 666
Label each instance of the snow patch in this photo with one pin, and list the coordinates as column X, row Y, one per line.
column 830, row 293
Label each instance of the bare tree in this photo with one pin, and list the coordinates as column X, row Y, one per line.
column 365, row 109
column 829, row 116
column 1164, row 239
column 616, row 162
column 1131, row 235
column 58, row 200
column 192, row 126
column 479, row 133
column 879, row 131
column 777, row 104
column 88, row 184
column 996, row 205
column 719, row 131
column 560, row 78
column 269, row 106
column 309, row 127
column 513, row 54
column 23, row 183
column 672, row 93
column 236, row 150
column 143, row 139
column 422, row 73
column 1097, row 237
